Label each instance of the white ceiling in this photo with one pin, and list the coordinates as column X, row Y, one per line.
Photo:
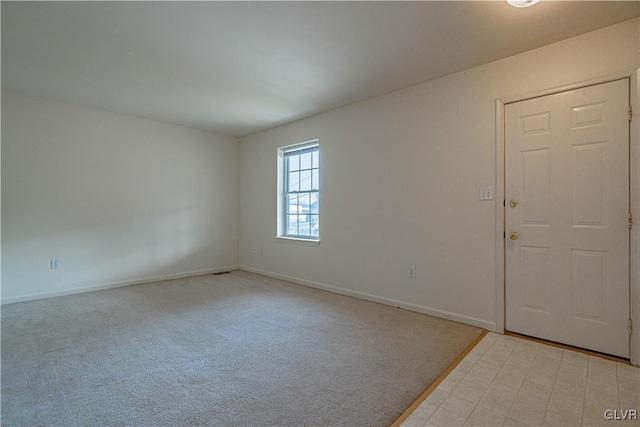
column 236, row 68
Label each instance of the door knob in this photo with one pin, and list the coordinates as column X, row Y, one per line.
column 513, row 203
column 513, row 235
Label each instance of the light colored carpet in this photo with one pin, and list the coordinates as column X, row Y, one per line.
column 234, row 349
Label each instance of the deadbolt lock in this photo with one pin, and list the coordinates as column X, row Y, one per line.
column 513, row 203
column 513, row 235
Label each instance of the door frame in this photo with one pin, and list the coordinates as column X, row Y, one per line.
column 634, row 194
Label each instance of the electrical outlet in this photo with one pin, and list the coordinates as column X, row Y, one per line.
column 412, row 272
column 55, row 263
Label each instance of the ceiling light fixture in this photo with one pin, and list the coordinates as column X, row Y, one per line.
column 522, row 3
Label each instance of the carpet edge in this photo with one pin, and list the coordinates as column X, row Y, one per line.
column 443, row 314
column 111, row 285
column 407, row 413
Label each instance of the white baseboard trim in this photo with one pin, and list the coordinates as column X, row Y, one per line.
column 112, row 285
column 490, row 326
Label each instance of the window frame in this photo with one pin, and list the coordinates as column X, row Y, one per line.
column 283, row 193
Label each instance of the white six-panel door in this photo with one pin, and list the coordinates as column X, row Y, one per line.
column 567, row 178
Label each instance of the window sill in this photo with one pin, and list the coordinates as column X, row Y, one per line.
column 297, row 241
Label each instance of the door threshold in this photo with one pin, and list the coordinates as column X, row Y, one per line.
column 569, row 347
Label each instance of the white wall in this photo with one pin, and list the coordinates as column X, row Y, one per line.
column 400, row 180
column 116, row 198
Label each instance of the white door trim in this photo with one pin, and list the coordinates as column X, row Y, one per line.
column 634, row 171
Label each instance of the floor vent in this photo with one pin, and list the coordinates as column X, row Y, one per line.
column 222, row 272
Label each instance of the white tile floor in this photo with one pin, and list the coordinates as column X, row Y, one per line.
column 516, row 382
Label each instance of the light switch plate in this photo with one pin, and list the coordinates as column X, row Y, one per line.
column 486, row 193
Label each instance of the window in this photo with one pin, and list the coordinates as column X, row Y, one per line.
column 301, row 191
